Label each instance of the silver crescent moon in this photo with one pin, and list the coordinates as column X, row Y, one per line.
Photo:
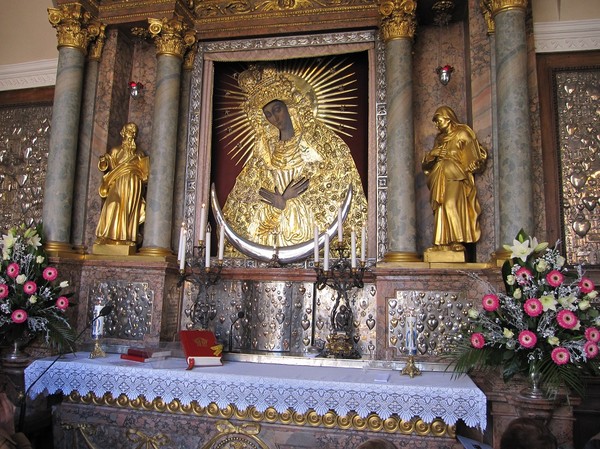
column 285, row 254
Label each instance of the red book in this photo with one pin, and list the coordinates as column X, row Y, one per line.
column 137, row 358
column 200, row 348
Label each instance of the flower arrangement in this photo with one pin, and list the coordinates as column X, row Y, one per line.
column 545, row 321
column 31, row 299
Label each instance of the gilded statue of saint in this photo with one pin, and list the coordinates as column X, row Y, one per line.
column 124, row 206
column 449, row 168
column 298, row 171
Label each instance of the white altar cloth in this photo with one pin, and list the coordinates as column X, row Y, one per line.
column 243, row 384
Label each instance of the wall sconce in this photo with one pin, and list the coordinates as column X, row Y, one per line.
column 444, row 73
column 135, row 89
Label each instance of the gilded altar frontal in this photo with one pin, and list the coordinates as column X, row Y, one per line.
column 339, row 193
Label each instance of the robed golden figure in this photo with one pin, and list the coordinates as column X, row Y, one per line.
column 449, row 167
column 122, row 189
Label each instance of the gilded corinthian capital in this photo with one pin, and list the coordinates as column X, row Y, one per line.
column 171, row 36
column 73, row 26
column 497, row 6
column 398, row 19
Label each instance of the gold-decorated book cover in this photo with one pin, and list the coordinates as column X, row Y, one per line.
column 200, row 348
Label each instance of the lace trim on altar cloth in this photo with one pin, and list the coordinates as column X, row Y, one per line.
column 282, row 387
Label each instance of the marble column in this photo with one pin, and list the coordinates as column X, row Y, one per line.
column 85, row 142
column 514, row 140
column 182, row 140
column 171, row 37
column 74, row 33
column 398, row 26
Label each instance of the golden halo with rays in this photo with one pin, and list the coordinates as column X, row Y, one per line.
column 332, row 83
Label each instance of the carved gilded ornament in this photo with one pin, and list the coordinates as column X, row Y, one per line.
column 330, row 420
column 486, row 10
column 73, row 26
column 147, row 441
column 171, row 36
column 190, row 57
column 398, row 19
column 498, row 6
column 96, row 47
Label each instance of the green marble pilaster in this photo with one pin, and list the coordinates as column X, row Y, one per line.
column 62, row 154
column 401, row 212
column 159, row 197
column 514, row 139
column 84, row 155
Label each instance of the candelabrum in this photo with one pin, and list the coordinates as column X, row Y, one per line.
column 341, row 276
column 199, row 271
column 97, row 332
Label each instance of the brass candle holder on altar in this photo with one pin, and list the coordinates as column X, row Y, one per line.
column 411, row 343
column 199, row 271
column 342, row 276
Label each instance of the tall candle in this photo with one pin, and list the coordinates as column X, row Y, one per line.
column 221, row 242
column 207, row 248
column 181, row 241
column 182, row 250
column 326, row 254
column 98, row 324
column 363, row 245
column 353, row 249
column 202, row 220
column 316, row 244
column 340, row 231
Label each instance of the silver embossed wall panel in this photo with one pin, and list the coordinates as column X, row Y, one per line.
column 577, row 95
column 131, row 316
column 440, row 316
column 24, row 136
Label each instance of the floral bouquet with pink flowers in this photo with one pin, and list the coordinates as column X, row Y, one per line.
column 32, row 302
column 545, row 321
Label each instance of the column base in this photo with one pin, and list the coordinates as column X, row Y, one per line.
column 155, row 252
column 56, row 248
column 401, row 256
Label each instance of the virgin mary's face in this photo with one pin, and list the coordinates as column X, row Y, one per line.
column 277, row 114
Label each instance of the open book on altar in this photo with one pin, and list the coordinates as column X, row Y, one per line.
column 200, row 348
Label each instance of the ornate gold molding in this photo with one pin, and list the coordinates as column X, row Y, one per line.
column 96, row 47
column 372, row 423
column 398, row 19
column 190, row 57
column 486, row 10
column 171, row 36
column 74, row 27
column 498, row 6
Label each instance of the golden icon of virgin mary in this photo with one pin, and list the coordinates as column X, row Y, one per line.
column 297, row 170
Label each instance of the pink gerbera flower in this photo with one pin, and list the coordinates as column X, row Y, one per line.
column 567, row 319
column 586, row 285
column 523, row 275
column 29, row 287
column 591, row 349
column 555, row 278
column 19, row 316
column 592, row 334
column 50, row 273
column 560, row 356
column 490, row 302
column 3, row 291
column 62, row 303
column 527, row 339
column 477, row 340
column 533, row 307
column 12, row 270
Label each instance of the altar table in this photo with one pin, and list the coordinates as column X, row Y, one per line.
column 284, row 388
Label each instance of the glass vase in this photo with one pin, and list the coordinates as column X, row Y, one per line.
column 535, row 389
column 15, row 354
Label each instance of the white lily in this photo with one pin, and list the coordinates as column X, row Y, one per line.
column 519, row 250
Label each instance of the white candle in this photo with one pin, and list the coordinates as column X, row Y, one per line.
column 353, row 249
column 202, row 220
column 221, row 242
column 181, row 241
column 363, row 245
column 98, row 326
column 182, row 249
column 326, row 254
column 316, row 244
column 207, row 248
column 340, row 232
